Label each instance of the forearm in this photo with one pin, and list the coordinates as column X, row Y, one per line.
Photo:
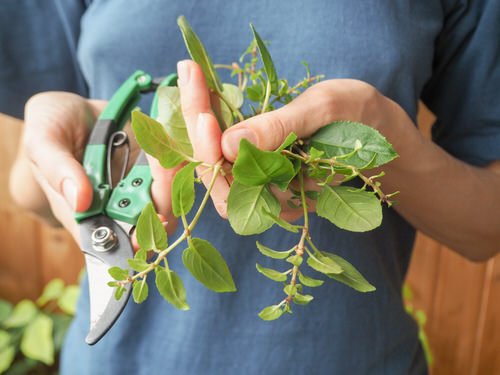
column 451, row 201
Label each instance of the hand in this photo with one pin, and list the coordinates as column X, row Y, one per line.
column 318, row 106
column 48, row 178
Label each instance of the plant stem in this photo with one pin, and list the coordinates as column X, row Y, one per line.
column 266, row 98
column 230, row 106
column 187, row 232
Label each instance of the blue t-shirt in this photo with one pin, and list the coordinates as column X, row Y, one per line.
column 444, row 52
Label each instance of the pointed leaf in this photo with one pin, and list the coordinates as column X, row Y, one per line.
column 118, row 273
column 273, row 253
column 171, row 288
column 68, row 299
column 183, row 190
column 23, row 313
column 7, row 355
column 353, row 210
column 350, row 275
column 322, row 263
column 140, row 290
column 234, row 96
column 342, row 137
column 154, row 140
column 272, row 76
column 296, row 260
column 282, row 223
column 302, row 299
column 151, row 234
column 51, row 291
column 199, row 54
column 37, row 342
column 272, row 274
column 171, row 117
column 292, row 137
column 5, row 310
column 309, row 281
column 255, row 167
column 138, row 265
column 206, row 264
column 245, row 208
column 271, row 312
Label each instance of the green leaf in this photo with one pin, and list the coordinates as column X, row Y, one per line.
column 140, row 290
column 291, row 290
column 302, row 299
column 171, row 288
column 153, row 139
column 245, row 207
column 350, row 275
column 199, row 54
column 255, row 167
column 292, row 137
column 51, row 291
column 342, row 137
column 234, row 96
column 271, row 312
column 273, row 253
column 151, row 234
column 6, row 358
column 171, row 117
column 118, row 273
column 138, row 265
column 255, row 93
column 183, row 190
column 142, row 254
column 119, row 291
column 37, row 342
column 296, row 260
column 272, row 76
column 309, row 281
column 282, row 223
column 5, row 339
column 21, row 315
column 68, row 299
column 5, row 310
column 206, row 264
column 322, row 263
column 353, row 210
column 272, row 274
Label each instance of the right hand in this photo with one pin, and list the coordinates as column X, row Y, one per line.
column 48, row 178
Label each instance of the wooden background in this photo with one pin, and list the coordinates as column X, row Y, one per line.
column 458, row 296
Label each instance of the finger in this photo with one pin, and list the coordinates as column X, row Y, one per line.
column 203, row 129
column 161, row 191
column 55, row 162
column 209, row 135
column 316, row 107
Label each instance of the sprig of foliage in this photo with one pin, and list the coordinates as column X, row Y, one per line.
column 31, row 333
column 340, row 151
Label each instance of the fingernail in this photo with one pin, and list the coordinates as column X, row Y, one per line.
column 232, row 141
column 70, row 192
column 183, row 72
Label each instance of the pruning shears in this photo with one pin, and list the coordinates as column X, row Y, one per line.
column 105, row 228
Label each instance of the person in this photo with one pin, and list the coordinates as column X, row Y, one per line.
column 379, row 58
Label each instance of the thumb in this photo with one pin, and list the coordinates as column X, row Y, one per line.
column 55, row 163
column 318, row 106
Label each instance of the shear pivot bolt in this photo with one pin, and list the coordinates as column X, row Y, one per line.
column 124, row 203
column 103, row 239
column 137, row 182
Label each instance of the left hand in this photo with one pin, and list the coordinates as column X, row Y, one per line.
column 327, row 101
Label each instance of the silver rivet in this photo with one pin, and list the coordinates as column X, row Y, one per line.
column 103, row 239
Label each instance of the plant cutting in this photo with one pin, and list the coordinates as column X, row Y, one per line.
column 338, row 153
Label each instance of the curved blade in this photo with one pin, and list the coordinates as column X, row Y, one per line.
column 104, row 308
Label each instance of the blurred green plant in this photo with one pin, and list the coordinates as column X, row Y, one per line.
column 32, row 332
column 421, row 318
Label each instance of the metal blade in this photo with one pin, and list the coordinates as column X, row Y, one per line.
column 104, row 308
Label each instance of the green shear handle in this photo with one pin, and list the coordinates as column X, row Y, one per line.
column 125, row 201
